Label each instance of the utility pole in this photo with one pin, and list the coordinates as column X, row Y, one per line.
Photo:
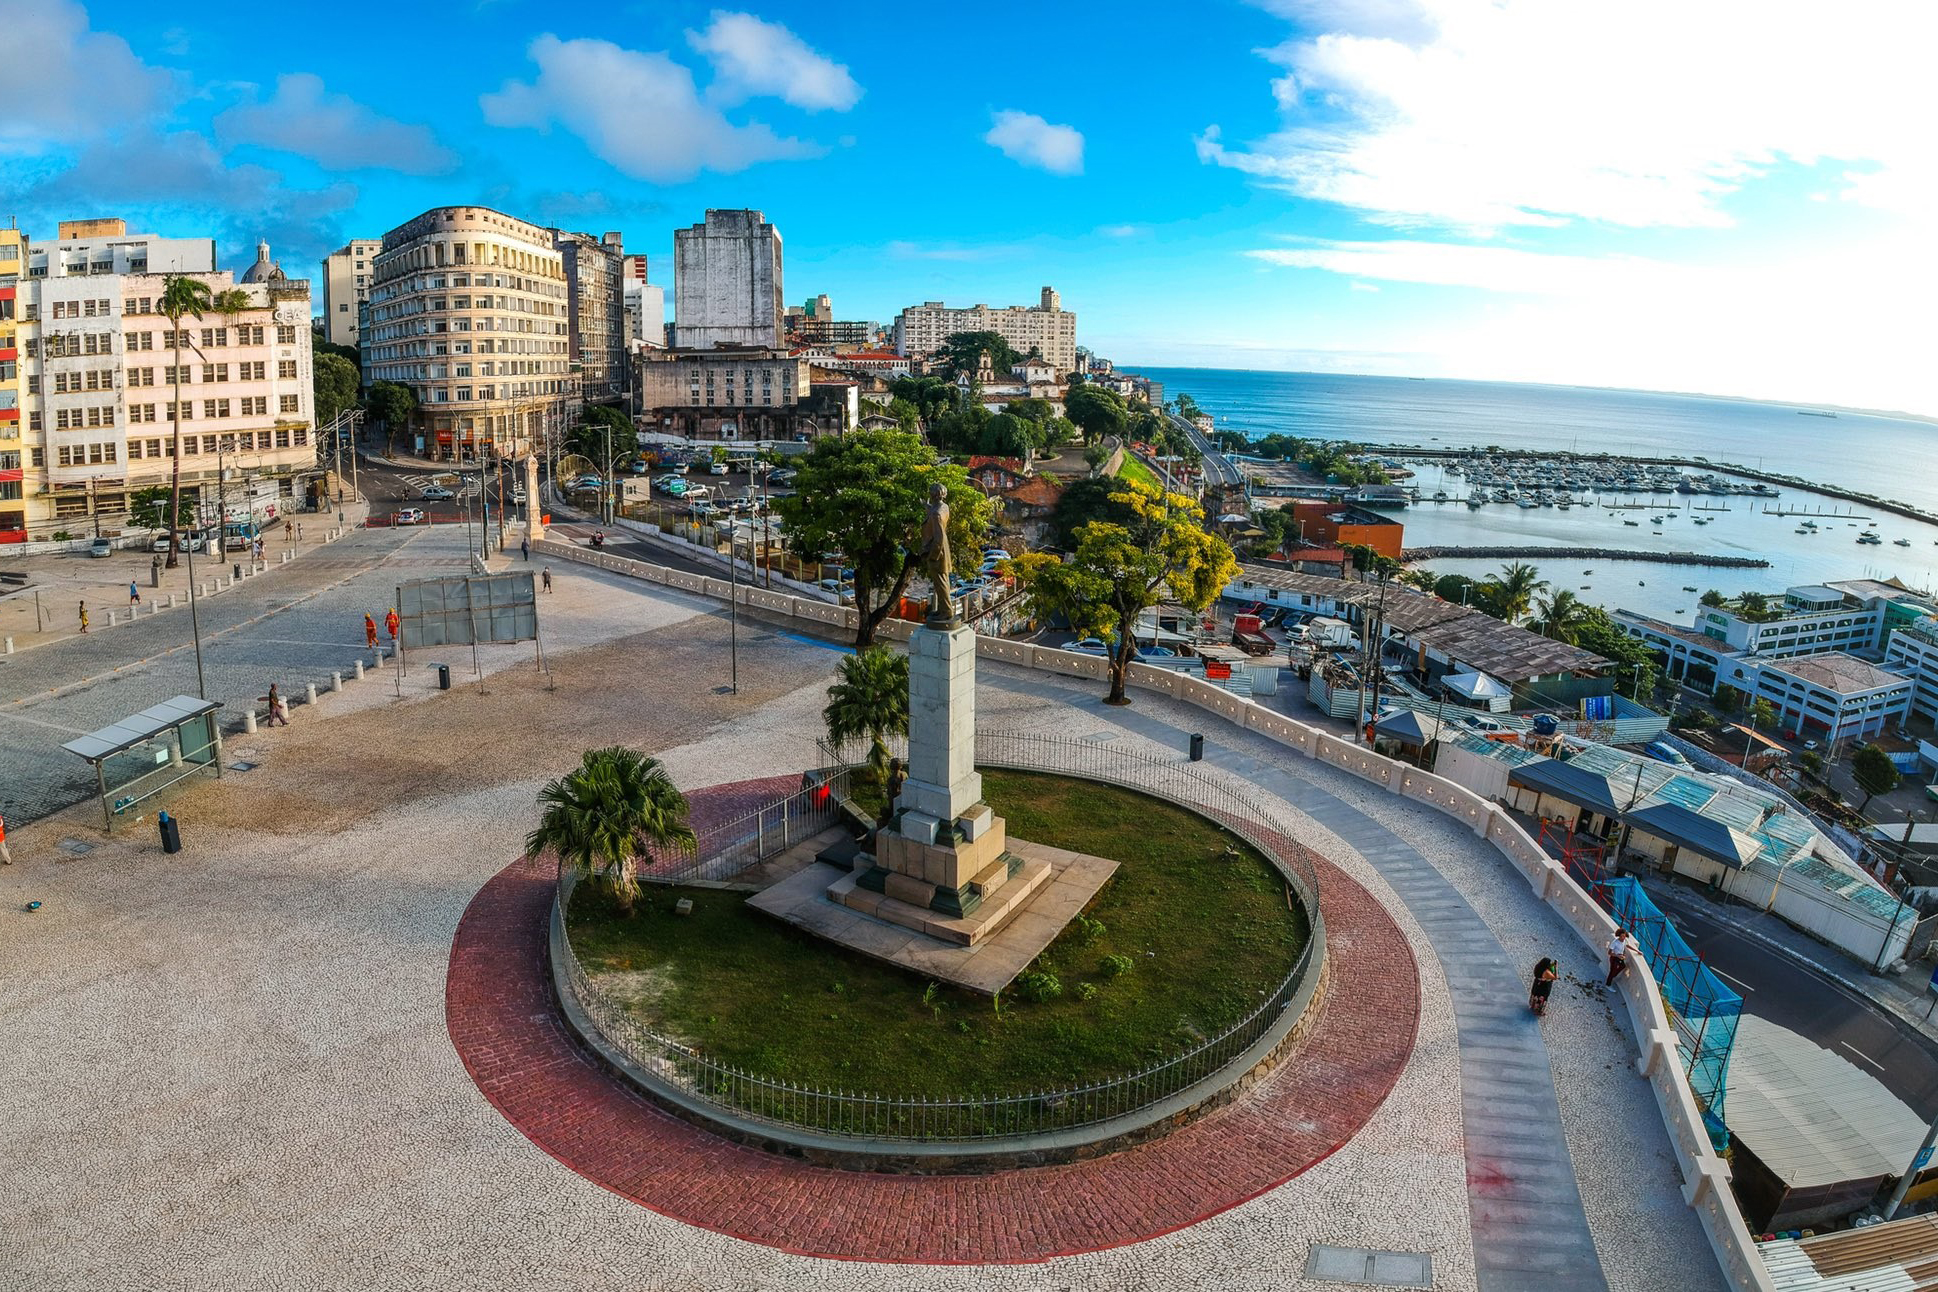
column 194, row 618
column 733, row 613
column 1918, row 1161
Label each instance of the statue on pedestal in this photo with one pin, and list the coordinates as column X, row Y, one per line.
column 935, row 555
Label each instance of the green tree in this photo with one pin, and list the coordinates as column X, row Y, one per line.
column 1083, row 501
column 335, row 383
column 1559, row 614
column 1456, row 588
column 1097, row 412
column 1755, row 607
column 1510, row 594
column 1763, row 715
column 869, row 698
column 866, row 496
column 1714, row 599
column 1040, row 411
column 392, row 403
column 148, row 508
column 962, row 351
column 182, row 297
column 1874, row 773
column 1813, row 763
column 1120, row 570
column 1187, row 407
column 607, row 813
column 907, row 416
column 932, row 396
column 1008, row 436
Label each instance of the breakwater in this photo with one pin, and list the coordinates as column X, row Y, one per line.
column 1592, row 553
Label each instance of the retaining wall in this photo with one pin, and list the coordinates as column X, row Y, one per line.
column 1705, row 1175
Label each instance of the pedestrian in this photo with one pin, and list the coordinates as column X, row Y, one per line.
column 134, row 596
column 1620, row 948
column 84, row 616
column 390, row 625
column 524, row 549
column 6, row 858
column 370, row 632
column 1544, row 976
column 278, row 706
column 548, row 578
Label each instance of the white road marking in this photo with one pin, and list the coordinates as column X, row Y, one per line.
column 1860, row 1054
column 1732, row 978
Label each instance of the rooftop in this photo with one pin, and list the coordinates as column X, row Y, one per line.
column 1837, row 672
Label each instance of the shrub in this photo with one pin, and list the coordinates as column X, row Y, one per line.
column 1086, row 990
column 1039, row 986
column 1089, row 929
column 1113, row 966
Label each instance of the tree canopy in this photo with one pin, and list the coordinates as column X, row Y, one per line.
column 866, row 496
column 335, row 384
column 962, row 351
column 604, row 814
column 1120, row 570
column 869, row 698
column 1083, row 501
column 1097, row 412
column 392, row 403
column 1874, row 773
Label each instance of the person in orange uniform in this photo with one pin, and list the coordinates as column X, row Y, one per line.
column 370, row 632
column 390, row 625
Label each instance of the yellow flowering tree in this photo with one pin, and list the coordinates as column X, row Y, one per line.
column 1120, row 570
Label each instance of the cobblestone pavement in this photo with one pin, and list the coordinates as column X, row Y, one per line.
column 507, row 1028
column 230, row 1067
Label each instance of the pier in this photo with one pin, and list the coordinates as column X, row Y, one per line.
column 1412, row 554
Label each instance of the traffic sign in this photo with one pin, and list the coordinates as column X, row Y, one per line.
column 1922, row 1160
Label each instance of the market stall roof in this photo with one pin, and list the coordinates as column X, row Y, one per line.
column 1409, row 727
column 1569, row 783
column 139, row 729
column 1691, row 829
column 1476, row 686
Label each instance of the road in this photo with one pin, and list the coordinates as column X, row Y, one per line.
column 1779, row 990
column 1217, row 467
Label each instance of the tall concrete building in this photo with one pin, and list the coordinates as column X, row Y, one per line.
column 1046, row 328
column 346, row 288
column 727, row 282
column 89, row 378
column 595, row 311
column 468, row 307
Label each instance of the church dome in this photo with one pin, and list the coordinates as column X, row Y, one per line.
column 264, row 270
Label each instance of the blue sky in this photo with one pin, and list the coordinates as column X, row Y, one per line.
column 1728, row 197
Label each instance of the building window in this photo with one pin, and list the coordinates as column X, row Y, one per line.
column 288, row 404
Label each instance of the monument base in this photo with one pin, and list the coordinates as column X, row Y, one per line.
column 962, row 917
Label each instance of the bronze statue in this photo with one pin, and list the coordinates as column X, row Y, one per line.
column 891, row 791
column 935, row 554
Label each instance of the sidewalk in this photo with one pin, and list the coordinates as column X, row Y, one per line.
column 1905, row 995
column 65, row 581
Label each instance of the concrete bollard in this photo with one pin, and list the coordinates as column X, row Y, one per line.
column 111, row 615
column 358, row 674
column 171, row 601
column 336, row 680
column 286, row 556
column 309, row 694
column 9, row 649
column 249, row 720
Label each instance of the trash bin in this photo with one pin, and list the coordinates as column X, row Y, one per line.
column 443, row 676
column 1197, row 747
column 171, row 833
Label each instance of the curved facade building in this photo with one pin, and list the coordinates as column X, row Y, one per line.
column 468, row 307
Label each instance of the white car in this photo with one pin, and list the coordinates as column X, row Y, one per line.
column 717, row 469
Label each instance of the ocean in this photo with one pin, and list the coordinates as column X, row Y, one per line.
column 1873, row 452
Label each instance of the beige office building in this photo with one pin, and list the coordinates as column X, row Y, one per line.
column 346, row 289
column 1046, row 328
column 468, row 307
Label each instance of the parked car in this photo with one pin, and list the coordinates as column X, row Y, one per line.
column 104, row 547
column 785, row 476
column 694, row 491
column 1810, row 745
column 408, row 516
column 435, row 493
column 1090, row 645
column 1665, row 753
column 717, row 469
column 518, row 496
column 674, row 486
column 1156, row 652
column 702, row 509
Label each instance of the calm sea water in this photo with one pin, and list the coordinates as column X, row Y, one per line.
column 1886, row 455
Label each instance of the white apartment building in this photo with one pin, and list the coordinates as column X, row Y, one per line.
column 1832, row 696
column 1915, row 649
column 727, row 282
column 645, row 306
column 595, row 311
column 468, row 307
column 1046, row 328
column 97, row 370
column 347, row 272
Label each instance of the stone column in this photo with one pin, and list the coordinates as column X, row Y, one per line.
column 534, row 509
column 942, row 780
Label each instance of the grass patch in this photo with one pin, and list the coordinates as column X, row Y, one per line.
column 1134, row 469
column 1182, row 942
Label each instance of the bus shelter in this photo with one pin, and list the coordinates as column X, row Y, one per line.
column 140, row 756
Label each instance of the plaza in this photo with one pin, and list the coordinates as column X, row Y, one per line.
column 248, row 1064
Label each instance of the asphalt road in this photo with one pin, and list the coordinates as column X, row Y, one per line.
column 1779, row 990
column 1218, row 468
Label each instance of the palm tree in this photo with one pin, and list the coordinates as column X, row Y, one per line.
column 181, row 295
column 604, row 815
column 870, row 699
column 1560, row 615
column 1513, row 589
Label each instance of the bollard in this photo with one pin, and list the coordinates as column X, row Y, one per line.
column 358, row 674
column 111, row 615
column 249, row 720
column 309, row 693
column 9, row 649
column 336, row 680
column 171, row 601
column 286, row 556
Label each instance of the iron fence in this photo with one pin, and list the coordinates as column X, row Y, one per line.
column 719, row 853
column 976, row 1118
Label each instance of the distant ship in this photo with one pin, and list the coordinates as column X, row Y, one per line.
column 1812, row 412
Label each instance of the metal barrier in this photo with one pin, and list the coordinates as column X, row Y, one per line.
column 721, row 852
column 977, row 1118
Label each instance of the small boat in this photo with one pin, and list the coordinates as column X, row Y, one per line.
column 1903, row 542
column 1641, row 583
column 1587, row 571
column 1633, row 524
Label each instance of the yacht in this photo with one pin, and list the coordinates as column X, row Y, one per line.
column 1902, row 542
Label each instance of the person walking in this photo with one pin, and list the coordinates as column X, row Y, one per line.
column 84, row 616
column 6, row 858
column 548, row 578
column 1620, row 948
column 134, row 596
column 524, row 549
column 370, row 632
column 1544, row 976
column 390, row 625
column 278, row 706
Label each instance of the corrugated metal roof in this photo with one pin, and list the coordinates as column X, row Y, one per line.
column 1813, row 1117
column 1692, row 830
column 1573, row 784
column 1899, row 1256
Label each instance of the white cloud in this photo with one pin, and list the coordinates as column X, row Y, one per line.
column 637, row 110
column 1491, row 268
column 1027, row 138
column 67, row 85
column 1484, row 114
column 1119, row 231
column 333, row 130
column 755, row 58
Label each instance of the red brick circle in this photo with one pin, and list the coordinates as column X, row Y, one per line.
column 507, row 1029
